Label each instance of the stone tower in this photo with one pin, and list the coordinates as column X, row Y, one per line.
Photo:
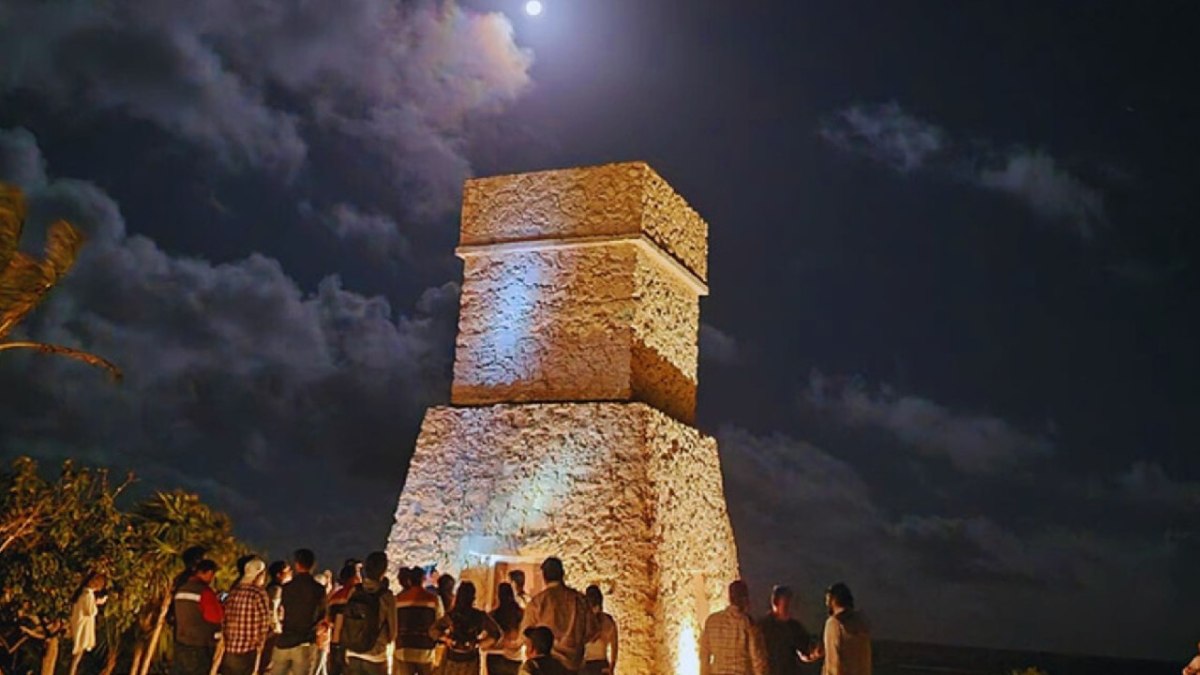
column 569, row 430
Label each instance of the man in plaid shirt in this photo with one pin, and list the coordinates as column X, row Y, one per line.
column 247, row 621
column 731, row 644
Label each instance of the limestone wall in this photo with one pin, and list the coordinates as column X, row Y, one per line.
column 590, row 323
column 607, row 200
column 629, row 498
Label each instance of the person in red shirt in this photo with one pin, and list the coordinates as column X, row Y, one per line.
column 198, row 615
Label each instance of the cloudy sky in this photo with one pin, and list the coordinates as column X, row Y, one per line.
column 950, row 352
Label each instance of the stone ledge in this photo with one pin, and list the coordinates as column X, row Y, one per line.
column 606, row 200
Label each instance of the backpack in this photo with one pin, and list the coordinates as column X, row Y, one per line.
column 360, row 621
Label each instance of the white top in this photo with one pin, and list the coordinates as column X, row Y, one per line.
column 83, row 622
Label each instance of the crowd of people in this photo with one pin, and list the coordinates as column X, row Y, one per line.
column 285, row 619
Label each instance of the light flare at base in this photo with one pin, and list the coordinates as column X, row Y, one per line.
column 688, row 658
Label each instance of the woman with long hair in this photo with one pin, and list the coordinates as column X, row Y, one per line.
column 83, row 617
column 464, row 630
column 505, row 656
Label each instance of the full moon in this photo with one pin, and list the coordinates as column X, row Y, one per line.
column 533, row 7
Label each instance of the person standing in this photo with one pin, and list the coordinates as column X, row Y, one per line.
column 730, row 644
column 505, row 656
column 278, row 573
column 348, row 579
column 565, row 612
column 517, row 579
column 464, row 631
column 302, row 601
column 786, row 641
column 417, row 609
column 847, row 639
column 368, row 624
column 600, row 655
column 198, row 616
column 247, row 621
column 83, row 618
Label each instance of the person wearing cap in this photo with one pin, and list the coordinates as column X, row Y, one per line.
column 247, row 620
column 198, row 615
column 566, row 612
column 730, row 643
column 539, row 648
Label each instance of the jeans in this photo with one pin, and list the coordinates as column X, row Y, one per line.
column 191, row 660
column 238, row 664
column 299, row 660
column 363, row 667
column 406, row 668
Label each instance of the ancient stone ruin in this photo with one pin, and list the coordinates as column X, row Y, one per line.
column 569, row 430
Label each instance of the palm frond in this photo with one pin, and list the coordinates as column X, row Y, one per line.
column 22, row 285
column 12, row 220
column 79, row 355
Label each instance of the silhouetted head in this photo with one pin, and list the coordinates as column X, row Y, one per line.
column 280, row 572
column 539, row 640
column 303, row 560
column 375, row 566
column 517, row 577
column 595, row 598
column 348, row 576
column 505, row 595
column 552, row 570
column 205, row 570
column 838, row 597
column 739, row 595
column 465, row 598
column 781, row 602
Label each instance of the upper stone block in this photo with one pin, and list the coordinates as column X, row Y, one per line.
column 580, row 285
column 587, row 202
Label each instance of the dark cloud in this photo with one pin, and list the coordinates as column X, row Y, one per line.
column 972, row 443
column 238, row 383
column 718, row 346
column 373, row 236
column 272, row 85
column 806, row 517
column 887, row 134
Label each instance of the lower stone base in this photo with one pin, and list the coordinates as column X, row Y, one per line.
column 629, row 498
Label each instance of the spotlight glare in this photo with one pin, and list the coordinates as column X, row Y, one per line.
column 533, row 7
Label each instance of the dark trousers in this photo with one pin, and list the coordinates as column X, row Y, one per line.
column 595, row 668
column 406, row 668
column 238, row 664
column 498, row 665
column 337, row 660
column 191, row 660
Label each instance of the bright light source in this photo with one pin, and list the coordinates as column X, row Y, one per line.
column 533, row 7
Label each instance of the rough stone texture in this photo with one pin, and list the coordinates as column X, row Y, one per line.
column 596, row 201
column 601, row 322
column 631, row 500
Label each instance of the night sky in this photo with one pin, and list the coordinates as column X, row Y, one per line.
column 951, row 348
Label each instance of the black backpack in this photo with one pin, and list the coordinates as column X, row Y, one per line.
column 360, row 621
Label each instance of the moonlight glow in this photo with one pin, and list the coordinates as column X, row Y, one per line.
column 533, row 7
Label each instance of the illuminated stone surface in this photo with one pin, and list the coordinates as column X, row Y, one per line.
column 574, row 387
column 580, row 285
column 629, row 498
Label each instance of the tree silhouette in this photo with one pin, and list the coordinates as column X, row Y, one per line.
column 25, row 280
